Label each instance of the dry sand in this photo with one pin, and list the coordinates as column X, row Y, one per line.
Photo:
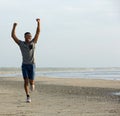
column 60, row 97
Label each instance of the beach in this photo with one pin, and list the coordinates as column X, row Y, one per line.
column 60, row 97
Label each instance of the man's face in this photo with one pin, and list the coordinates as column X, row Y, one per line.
column 28, row 37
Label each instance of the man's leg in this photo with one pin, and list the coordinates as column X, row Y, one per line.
column 31, row 75
column 32, row 85
column 26, row 85
column 26, row 81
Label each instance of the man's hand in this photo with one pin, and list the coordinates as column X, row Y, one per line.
column 38, row 20
column 15, row 24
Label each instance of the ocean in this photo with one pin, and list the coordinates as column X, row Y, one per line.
column 86, row 73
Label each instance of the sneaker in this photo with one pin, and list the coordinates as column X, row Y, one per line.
column 32, row 87
column 28, row 100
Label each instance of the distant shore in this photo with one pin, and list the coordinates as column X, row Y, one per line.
column 60, row 97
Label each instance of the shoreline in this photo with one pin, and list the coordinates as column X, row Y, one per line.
column 72, row 81
column 19, row 75
column 104, row 73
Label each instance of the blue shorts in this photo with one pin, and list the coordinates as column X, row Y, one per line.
column 28, row 71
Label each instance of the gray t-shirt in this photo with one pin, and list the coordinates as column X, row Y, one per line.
column 27, row 50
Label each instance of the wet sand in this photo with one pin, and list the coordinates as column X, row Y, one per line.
column 60, row 97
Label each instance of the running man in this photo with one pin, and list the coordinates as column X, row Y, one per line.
column 27, row 48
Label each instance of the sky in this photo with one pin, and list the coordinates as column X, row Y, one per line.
column 74, row 33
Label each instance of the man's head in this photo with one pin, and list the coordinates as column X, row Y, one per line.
column 27, row 36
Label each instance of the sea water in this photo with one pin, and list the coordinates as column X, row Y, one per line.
column 86, row 73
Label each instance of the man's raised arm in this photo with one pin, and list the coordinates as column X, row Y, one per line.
column 13, row 33
column 37, row 31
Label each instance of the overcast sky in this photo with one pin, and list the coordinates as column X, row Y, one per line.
column 74, row 33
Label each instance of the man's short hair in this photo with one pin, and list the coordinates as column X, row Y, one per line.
column 27, row 33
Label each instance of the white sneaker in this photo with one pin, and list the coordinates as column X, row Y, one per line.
column 32, row 87
column 28, row 100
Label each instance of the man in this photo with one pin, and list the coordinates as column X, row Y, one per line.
column 27, row 48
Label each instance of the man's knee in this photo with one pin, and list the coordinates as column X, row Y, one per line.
column 26, row 81
column 31, row 82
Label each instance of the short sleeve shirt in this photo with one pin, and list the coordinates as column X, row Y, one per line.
column 27, row 50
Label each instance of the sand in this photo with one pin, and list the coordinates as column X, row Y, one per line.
column 60, row 97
